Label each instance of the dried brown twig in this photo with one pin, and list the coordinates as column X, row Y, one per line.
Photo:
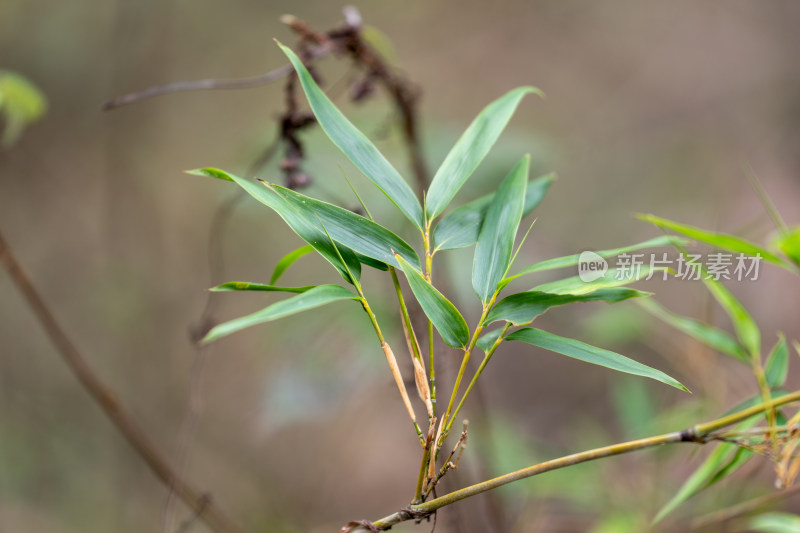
column 344, row 41
column 201, row 503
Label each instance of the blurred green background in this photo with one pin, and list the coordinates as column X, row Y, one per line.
column 652, row 107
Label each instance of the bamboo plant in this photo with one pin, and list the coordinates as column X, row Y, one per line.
column 492, row 225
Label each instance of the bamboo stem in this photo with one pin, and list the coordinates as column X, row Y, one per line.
column 697, row 434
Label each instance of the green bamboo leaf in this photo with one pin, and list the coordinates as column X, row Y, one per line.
column 521, row 308
column 789, row 244
column 499, row 229
column 774, row 522
column 460, row 228
column 746, row 328
column 287, row 261
column 443, row 314
column 247, row 286
column 356, row 146
column 613, row 277
column 361, row 235
column 471, row 148
column 777, row 367
column 573, row 260
column 718, row 240
column 723, row 461
column 590, row 354
column 715, row 338
column 311, row 299
column 308, row 229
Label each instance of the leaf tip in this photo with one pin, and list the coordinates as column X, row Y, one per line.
column 210, row 172
column 535, row 90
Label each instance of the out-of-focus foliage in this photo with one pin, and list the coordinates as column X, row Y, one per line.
column 21, row 104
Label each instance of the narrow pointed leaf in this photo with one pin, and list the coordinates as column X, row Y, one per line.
column 573, row 260
column 521, row 308
column 471, row 148
column 461, row 227
column 287, row 261
column 443, row 314
column 356, row 146
column 590, row 354
column 614, row 277
column 247, row 286
column 499, row 229
column 723, row 461
column 777, row 366
column 746, row 328
column 712, row 337
column 360, row 234
column 316, row 297
column 306, row 228
column 718, row 240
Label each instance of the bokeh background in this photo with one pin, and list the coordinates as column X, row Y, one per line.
column 295, row 426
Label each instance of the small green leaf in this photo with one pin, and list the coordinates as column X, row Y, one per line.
column 777, row 367
column 461, row 227
column 471, row 148
column 718, row 240
column 313, row 298
column 21, row 104
column 746, row 328
column 499, row 229
column 287, row 261
column 789, row 244
column 356, row 146
column 308, row 229
column 775, row 522
column 443, row 314
column 573, row 260
column 487, row 340
column 590, row 354
column 715, row 338
column 521, row 308
column 247, row 286
column 614, row 277
column 361, row 235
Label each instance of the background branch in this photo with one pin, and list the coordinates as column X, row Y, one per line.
column 201, row 503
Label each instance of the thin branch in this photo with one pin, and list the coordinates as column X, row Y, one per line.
column 199, row 502
column 697, row 434
column 209, row 84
